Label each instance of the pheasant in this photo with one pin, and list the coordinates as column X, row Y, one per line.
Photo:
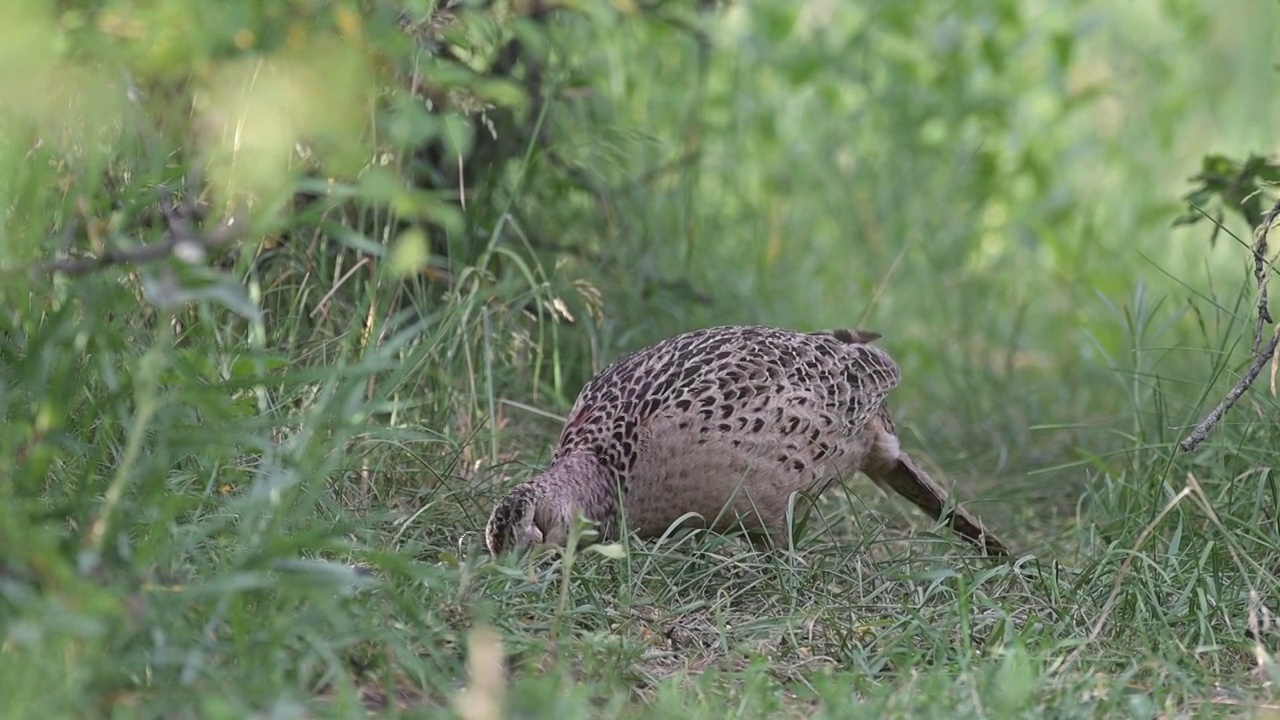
column 725, row 422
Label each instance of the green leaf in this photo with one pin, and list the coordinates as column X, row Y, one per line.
column 409, row 254
column 613, row 551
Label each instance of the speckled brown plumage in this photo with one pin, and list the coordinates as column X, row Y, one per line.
column 728, row 423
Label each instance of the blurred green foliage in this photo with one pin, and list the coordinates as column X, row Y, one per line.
column 292, row 290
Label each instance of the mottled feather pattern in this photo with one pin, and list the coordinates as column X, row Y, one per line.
column 729, row 379
column 726, row 422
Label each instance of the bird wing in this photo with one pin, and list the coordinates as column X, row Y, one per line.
column 869, row 374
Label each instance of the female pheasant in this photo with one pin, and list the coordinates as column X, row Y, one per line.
column 726, row 422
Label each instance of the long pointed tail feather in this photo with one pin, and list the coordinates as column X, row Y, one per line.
column 907, row 479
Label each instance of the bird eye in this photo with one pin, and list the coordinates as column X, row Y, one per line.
column 533, row 535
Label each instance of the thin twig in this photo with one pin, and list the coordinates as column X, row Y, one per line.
column 324, row 301
column 1261, row 355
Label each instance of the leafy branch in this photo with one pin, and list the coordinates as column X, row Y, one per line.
column 1239, row 186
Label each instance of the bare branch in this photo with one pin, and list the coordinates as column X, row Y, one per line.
column 1261, row 355
column 180, row 239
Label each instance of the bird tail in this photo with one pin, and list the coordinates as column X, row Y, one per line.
column 907, row 479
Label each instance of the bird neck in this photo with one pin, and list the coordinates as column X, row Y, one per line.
column 578, row 482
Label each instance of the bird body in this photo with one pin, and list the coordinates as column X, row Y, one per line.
column 726, row 423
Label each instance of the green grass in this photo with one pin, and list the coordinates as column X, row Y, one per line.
column 255, row 486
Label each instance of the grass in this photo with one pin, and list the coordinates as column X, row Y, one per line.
column 254, row 487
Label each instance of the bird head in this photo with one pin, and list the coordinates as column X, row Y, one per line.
column 524, row 518
column 542, row 510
